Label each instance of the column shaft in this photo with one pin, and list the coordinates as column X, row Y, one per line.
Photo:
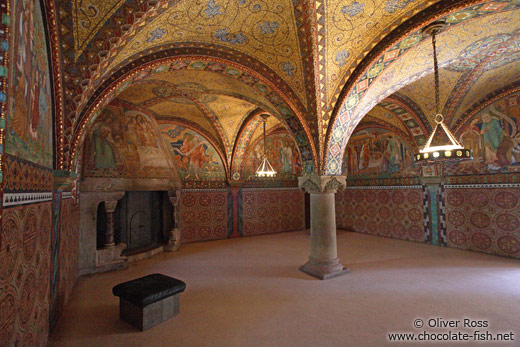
column 323, row 261
column 323, row 227
column 110, row 208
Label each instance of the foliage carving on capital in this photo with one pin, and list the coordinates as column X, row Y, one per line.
column 310, row 187
column 334, row 185
column 321, row 184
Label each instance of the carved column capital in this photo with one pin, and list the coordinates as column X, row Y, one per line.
column 321, row 184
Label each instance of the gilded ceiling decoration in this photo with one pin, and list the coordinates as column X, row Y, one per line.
column 421, row 91
column 263, row 29
column 499, row 78
column 410, row 59
column 197, row 92
column 272, row 123
column 231, row 113
column 418, row 62
column 192, row 113
column 387, row 116
column 492, row 61
column 212, row 95
column 88, row 17
column 354, row 26
column 213, row 62
column 410, row 114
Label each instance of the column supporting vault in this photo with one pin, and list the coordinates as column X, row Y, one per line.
column 323, row 261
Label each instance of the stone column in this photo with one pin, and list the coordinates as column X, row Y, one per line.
column 90, row 259
column 323, row 262
column 110, row 208
column 175, row 233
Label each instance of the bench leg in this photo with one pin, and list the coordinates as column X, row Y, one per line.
column 151, row 315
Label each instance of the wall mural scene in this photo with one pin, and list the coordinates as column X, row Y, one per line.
column 378, row 153
column 494, row 136
column 29, row 115
column 282, row 153
column 125, row 143
column 194, row 157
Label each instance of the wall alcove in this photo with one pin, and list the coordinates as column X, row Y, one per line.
column 142, row 221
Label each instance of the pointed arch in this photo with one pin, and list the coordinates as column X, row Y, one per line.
column 286, row 111
column 346, row 114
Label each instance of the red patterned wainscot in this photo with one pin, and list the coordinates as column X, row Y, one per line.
column 272, row 210
column 492, row 224
column 68, row 250
column 204, row 214
column 25, row 259
column 391, row 211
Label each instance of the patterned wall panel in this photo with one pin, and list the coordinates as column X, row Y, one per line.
column 484, row 219
column 67, row 251
column 396, row 213
column 24, row 275
column 272, row 210
column 204, row 215
column 24, row 176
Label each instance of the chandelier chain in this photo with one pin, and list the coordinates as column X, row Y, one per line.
column 436, row 72
column 265, row 151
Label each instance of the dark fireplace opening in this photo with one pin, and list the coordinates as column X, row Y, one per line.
column 142, row 220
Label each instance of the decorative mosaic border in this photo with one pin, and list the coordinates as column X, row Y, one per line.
column 204, row 185
column 262, row 189
column 398, row 181
column 4, row 73
column 486, row 185
column 385, row 187
column 195, row 190
column 21, row 176
column 15, row 199
column 442, row 215
column 426, row 214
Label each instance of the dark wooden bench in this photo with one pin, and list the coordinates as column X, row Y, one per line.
column 149, row 300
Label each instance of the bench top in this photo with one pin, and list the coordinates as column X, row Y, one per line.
column 148, row 289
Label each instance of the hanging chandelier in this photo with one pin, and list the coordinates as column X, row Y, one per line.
column 265, row 169
column 441, row 145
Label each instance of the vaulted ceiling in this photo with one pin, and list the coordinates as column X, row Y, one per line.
column 472, row 69
column 318, row 67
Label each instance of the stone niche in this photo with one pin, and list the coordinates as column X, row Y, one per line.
column 125, row 208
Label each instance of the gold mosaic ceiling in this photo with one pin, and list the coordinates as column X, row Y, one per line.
column 476, row 59
column 208, row 100
column 272, row 32
column 265, row 30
